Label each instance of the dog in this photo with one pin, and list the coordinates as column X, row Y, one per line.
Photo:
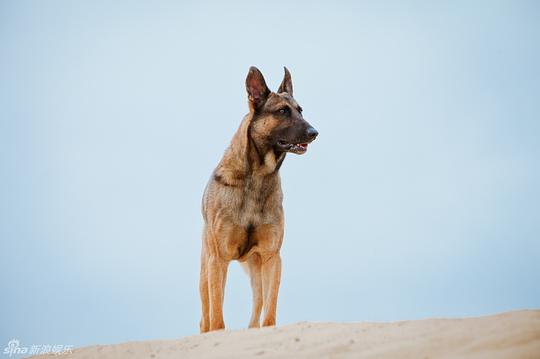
column 242, row 202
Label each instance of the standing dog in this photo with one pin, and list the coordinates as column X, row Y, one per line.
column 241, row 207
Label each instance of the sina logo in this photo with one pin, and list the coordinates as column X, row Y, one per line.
column 14, row 348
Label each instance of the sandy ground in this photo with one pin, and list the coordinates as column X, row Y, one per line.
column 512, row 335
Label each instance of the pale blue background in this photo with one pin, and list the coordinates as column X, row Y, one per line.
column 420, row 198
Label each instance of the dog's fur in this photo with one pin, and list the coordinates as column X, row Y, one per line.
column 242, row 211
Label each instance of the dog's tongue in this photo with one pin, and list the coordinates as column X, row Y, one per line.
column 303, row 145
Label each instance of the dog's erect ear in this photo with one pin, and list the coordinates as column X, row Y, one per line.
column 286, row 84
column 256, row 87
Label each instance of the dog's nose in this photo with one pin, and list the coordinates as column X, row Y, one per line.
column 312, row 133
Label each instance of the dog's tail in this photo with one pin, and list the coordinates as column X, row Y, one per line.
column 245, row 267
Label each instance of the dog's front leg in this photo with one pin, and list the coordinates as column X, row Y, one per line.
column 271, row 276
column 203, row 288
column 217, row 275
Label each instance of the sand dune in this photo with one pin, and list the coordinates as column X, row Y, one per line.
column 512, row 335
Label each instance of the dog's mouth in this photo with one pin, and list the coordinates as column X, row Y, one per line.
column 298, row 148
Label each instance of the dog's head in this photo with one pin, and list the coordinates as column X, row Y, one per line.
column 277, row 121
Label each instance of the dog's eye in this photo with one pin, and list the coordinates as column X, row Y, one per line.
column 284, row 111
column 300, row 109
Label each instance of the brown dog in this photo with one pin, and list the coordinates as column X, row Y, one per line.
column 243, row 215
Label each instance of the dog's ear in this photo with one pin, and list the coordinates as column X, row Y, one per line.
column 286, row 84
column 256, row 87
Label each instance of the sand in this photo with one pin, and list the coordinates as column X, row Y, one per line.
column 512, row 335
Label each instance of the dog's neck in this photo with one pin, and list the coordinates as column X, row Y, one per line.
column 246, row 159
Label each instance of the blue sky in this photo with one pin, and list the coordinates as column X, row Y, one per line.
column 420, row 198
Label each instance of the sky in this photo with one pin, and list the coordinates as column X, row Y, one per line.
column 420, row 197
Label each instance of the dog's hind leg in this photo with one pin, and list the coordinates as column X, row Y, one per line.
column 255, row 275
column 271, row 276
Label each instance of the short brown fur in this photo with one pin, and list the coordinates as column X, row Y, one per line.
column 242, row 203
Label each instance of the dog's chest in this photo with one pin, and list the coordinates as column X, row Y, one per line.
column 260, row 201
